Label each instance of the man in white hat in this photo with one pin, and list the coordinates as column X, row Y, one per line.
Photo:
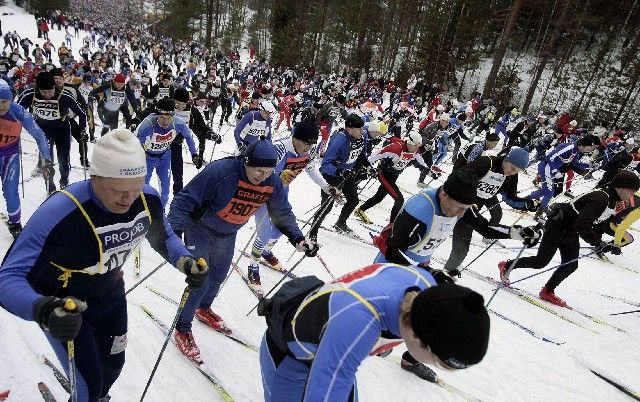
column 74, row 247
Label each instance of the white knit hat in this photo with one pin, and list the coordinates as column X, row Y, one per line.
column 118, row 154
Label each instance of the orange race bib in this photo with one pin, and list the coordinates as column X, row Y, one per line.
column 296, row 163
column 9, row 132
column 245, row 202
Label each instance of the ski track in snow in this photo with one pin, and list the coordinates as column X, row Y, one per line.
column 517, row 366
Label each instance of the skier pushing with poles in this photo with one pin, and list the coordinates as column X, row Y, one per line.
column 73, row 248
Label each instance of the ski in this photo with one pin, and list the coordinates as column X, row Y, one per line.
column 525, row 329
column 633, row 394
column 257, row 293
column 444, row 385
column 267, row 265
column 4, row 394
column 349, row 235
column 62, row 379
column 620, row 299
column 46, row 392
column 137, row 260
column 526, row 297
column 169, row 299
column 201, row 366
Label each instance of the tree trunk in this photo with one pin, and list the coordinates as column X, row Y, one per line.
column 632, row 86
column 600, row 57
column 505, row 37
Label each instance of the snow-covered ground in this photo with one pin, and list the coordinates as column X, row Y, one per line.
column 518, row 366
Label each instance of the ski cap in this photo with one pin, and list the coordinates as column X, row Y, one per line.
column 120, row 78
column 492, row 136
column 626, row 179
column 261, row 153
column 378, row 127
column 414, row 138
column 307, row 130
column 5, row 91
column 45, row 81
column 181, row 95
column 518, row 157
column 353, row 121
column 445, row 117
column 462, row 185
column 118, row 154
column 166, row 106
column 267, row 106
column 453, row 322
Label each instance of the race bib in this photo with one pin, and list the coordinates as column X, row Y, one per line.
column 403, row 161
column 245, row 202
column 160, row 142
column 441, row 229
column 9, row 132
column 490, row 185
column 117, row 97
column 296, row 163
column 46, row 109
column 163, row 93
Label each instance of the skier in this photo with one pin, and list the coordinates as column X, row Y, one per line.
column 394, row 159
column 254, row 125
column 114, row 98
column 192, row 116
column 50, row 107
column 566, row 224
column 211, row 209
column 498, row 175
column 156, row 133
column 312, row 349
column 293, row 158
column 327, row 116
column 426, row 220
column 345, row 155
column 13, row 118
column 474, row 150
column 74, row 247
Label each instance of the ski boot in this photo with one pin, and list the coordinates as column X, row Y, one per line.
column 342, row 228
column 187, row 345
column 503, row 266
column 208, row 317
column 360, row 214
column 489, row 241
column 253, row 275
column 551, row 297
column 272, row 260
column 421, row 184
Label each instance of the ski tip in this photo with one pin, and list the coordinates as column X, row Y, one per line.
column 4, row 394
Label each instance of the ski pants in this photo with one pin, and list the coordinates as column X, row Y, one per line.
column 60, row 137
column 457, row 142
column 546, row 192
column 99, row 346
column 325, row 133
column 284, row 115
column 162, row 165
column 427, row 156
column 267, row 234
column 109, row 119
column 554, row 239
column 350, row 193
column 283, row 377
column 10, row 174
column 387, row 186
column 225, row 105
column 217, row 250
column 441, row 153
column 462, row 233
column 177, row 168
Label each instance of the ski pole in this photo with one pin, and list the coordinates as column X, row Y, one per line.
column 326, row 267
column 145, row 277
column 513, row 263
column 554, row 267
column 83, row 146
column 626, row 312
column 70, row 305
column 285, row 276
column 22, row 169
column 183, row 301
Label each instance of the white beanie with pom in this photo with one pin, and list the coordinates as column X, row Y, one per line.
column 118, row 154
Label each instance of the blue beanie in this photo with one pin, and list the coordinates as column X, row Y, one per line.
column 5, row 90
column 518, row 157
column 261, row 153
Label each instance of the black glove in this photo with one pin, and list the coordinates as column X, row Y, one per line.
column 214, row 137
column 372, row 172
column 50, row 313
column 84, row 137
column 309, row 248
column 530, row 235
column 197, row 160
column 605, row 247
column 196, row 271
column 347, row 174
column 531, row 205
column 47, row 169
column 440, row 276
column 133, row 126
column 242, row 146
column 179, row 233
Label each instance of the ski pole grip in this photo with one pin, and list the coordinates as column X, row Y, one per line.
column 201, row 261
column 70, row 305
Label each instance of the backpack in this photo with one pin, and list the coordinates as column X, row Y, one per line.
column 283, row 304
